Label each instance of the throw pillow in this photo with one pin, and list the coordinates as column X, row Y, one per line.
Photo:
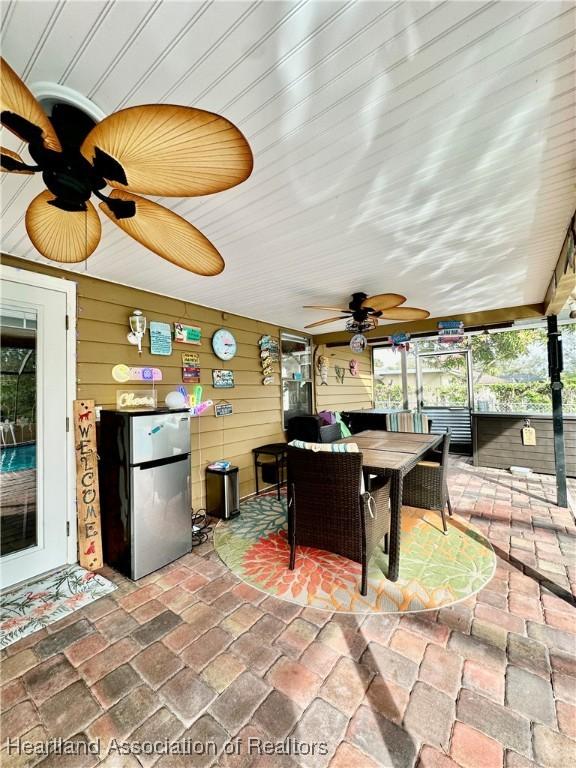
column 328, row 447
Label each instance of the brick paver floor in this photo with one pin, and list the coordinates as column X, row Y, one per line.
column 192, row 653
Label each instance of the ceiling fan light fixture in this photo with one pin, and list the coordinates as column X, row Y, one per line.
column 361, row 326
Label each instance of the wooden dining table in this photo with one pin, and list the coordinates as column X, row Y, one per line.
column 392, row 454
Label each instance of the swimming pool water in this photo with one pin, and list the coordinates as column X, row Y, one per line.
column 18, row 457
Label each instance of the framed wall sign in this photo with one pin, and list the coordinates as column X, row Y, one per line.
column 160, row 339
column 191, row 375
column 188, row 334
column 191, row 359
column 223, row 409
column 191, row 368
column 450, row 331
column 222, row 379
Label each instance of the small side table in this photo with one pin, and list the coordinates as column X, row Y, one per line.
column 278, row 452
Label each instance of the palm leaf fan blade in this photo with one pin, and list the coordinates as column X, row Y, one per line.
column 324, row 322
column 64, row 236
column 17, row 99
column 168, row 235
column 10, row 162
column 171, row 151
column 330, row 309
column 384, row 301
column 404, row 313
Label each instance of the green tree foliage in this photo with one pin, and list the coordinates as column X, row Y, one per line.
column 510, row 354
column 17, row 393
column 388, row 395
column 493, row 354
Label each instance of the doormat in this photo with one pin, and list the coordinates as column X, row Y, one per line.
column 435, row 570
column 34, row 605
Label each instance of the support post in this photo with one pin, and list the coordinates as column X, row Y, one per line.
column 419, row 386
column 403, row 364
column 555, row 365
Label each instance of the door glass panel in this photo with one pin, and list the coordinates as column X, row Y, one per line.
column 388, row 378
column 411, row 377
column 296, row 376
column 297, row 398
column 18, row 487
column 296, row 358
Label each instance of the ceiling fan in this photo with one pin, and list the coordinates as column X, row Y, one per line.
column 157, row 149
column 364, row 312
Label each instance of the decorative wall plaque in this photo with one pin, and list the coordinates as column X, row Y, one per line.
column 87, row 490
column 269, row 354
column 123, row 373
column 358, row 343
column 160, row 339
column 135, row 399
column 223, row 409
column 187, row 334
column 190, row 367
column 222, row 379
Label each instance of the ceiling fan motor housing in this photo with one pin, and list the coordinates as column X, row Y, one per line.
column 364, row 311
column 357, row 299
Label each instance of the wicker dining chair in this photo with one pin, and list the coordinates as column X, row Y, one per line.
column 328, row 510
column 426, row 486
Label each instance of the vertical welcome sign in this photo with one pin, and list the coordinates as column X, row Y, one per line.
column 87, row 490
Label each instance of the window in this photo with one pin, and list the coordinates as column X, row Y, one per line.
column 506, row 371
column 388, row 378
column 296, row 376
column 510, row 370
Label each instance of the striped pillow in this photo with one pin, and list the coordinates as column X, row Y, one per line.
column 327, row 447
column 407, row 422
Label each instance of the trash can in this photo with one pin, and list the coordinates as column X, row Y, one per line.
column 222, row 492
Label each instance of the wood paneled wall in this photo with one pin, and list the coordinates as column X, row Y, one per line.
column 103, row 312
column 355, row 391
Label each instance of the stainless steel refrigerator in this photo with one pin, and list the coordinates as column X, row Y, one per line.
column 145, row 489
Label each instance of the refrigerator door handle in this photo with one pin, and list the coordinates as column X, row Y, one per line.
column 161, row 462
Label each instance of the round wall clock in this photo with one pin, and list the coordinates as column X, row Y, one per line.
column 224, row 344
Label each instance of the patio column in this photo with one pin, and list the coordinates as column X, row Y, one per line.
column 555, row 365
column 404, row 370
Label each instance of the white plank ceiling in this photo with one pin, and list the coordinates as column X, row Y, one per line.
column 425, row 148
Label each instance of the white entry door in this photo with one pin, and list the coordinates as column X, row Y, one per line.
column 34, row 471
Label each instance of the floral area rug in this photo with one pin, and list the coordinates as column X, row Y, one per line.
column 435, row 569
column 33, row 606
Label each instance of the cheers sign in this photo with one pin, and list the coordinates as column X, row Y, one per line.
column 87, row 490
column 133, row 400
